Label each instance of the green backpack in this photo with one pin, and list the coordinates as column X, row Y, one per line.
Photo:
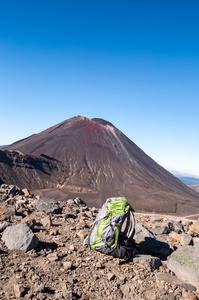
column 114, row 222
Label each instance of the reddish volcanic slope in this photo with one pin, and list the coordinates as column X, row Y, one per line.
column 94, row 160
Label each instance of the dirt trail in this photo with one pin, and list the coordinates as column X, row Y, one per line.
column 191, row 216
column 188, row 217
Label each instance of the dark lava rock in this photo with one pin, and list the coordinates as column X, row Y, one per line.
column 48, row 206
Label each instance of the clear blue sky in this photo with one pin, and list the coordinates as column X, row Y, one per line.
column 133, row 63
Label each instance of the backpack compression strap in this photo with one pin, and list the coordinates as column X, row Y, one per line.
column 130, row 224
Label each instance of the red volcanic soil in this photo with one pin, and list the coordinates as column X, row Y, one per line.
column 94, row 160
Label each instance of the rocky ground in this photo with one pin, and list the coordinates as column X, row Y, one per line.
column 43, row 257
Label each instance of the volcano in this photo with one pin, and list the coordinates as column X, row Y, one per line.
column 92, row 159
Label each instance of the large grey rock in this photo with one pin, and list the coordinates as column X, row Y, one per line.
column 48, row 205
column 149, row 243
column 174, row 280
column 176, row 226
column 20, row 237
column 151, row 263
column 161, row 230
column 184, row 262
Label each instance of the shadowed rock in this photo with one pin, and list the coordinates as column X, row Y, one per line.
column 149, row 243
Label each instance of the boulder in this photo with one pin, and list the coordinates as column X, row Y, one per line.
column 20, row 237
column 161, row 230
column 184, row 262
column 176, row 227
column 48, row 206
column 149, row 243
column 151, row 263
